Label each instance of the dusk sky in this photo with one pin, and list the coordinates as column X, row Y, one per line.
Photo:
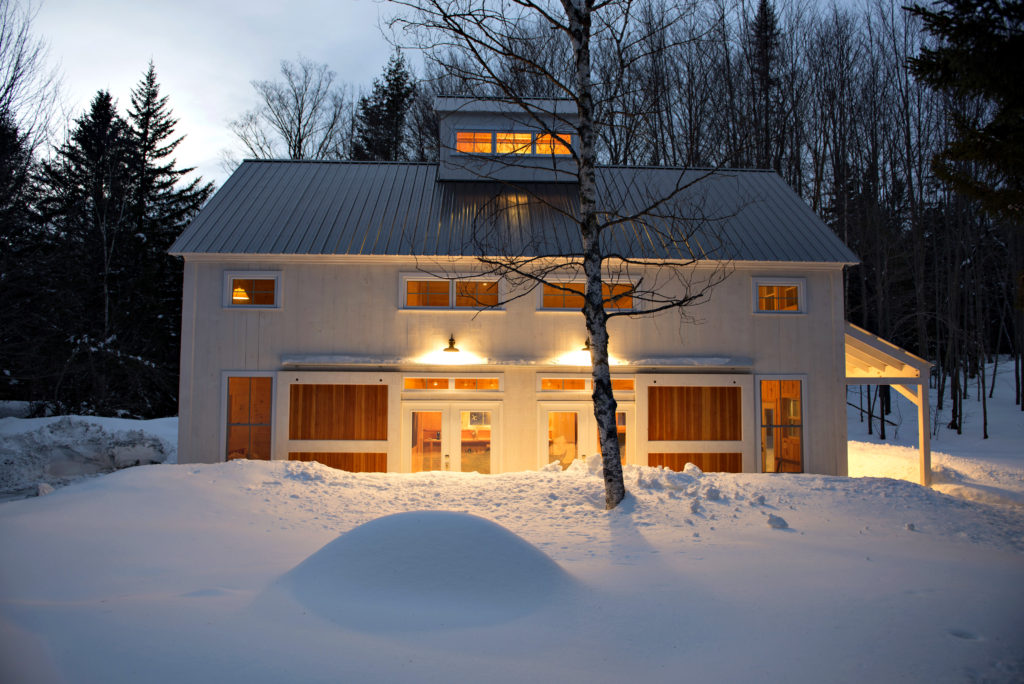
column 206, row 53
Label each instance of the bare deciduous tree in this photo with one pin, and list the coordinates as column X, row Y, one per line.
column 29, row 89
column 307, row 115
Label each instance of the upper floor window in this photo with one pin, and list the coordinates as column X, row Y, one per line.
column 252, row 289
column 513, row 142
column 773, row 295
column 570, row 296
column 442, row 293
column 553, row 144
column 473, row 142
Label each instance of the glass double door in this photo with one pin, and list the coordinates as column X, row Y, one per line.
column 568, row 431
column 455, row 437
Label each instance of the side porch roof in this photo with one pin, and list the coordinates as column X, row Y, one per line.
column 871, row 360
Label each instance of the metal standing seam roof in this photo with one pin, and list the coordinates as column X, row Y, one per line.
column 399, row 208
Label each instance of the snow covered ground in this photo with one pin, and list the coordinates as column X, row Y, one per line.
column 290, row 572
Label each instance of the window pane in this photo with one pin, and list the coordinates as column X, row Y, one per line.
column 622, row 385
column 781, row 429
column 476, row 383
column 426, row 293
column 260, row 400
column 252, row 292
column 778, row 298
column 260, row 448
column 476, row 442
column 426, row 440
column 617, row 296
column 241, row 291
column 473, row 142
column 238, row 441
column 238, row 400
column 514, row 143
column 562, row 437
column 564, row 296
column 554, row 144
column 476, row 293
column 263, row 293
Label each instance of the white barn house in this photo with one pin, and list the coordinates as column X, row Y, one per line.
column 335, row 311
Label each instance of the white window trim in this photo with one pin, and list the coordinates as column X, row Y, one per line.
column 801, row 288
column 251, row 275
column 406, row 277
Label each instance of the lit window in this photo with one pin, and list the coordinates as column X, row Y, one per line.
column 570, row 296
column 562, row 384
column 778, row 297
column 781, row 426
column 476, row 294
column 618, row 296
column 426, row 293
column 473, row 142
column 258, row 289
column 558, row 144
column 476, row 383
column 514, row 143
column 622, row 385
column 563, row 296
column 443, row 293
column 461, row 384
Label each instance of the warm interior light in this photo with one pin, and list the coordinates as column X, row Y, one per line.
column 451, row 344
column 239, row 295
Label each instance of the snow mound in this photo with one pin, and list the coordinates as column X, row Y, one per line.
column 425, row 570
column 65, row 449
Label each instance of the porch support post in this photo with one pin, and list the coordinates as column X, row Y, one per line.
column 923, row 432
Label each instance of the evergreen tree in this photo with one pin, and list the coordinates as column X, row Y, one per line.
column 113, row 201
column 981, row 57
column 764, row 82
column 161, row 205
column 381, row 117
column 22, row 251
column 85, row 205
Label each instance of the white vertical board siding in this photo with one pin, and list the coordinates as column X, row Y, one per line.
column 351, row 308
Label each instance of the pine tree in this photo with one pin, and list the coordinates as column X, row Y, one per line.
column 85, row 206
column 113, row 201
column 381, row 117
column 764, row 49
column 980, row 59
column 161, row 204
column 22, row 251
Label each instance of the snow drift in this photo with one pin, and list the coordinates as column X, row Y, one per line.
column 424, row 570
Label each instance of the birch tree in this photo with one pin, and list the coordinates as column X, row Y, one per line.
column 482, row 42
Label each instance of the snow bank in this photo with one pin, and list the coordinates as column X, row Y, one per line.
column 38, row 454
column 423, row 570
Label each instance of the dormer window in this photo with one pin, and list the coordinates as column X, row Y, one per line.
column 503, row 142
column 473, row 142
column 515, row 143
column 554, row 144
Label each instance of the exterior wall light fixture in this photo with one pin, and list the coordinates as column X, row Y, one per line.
column 451, row 344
